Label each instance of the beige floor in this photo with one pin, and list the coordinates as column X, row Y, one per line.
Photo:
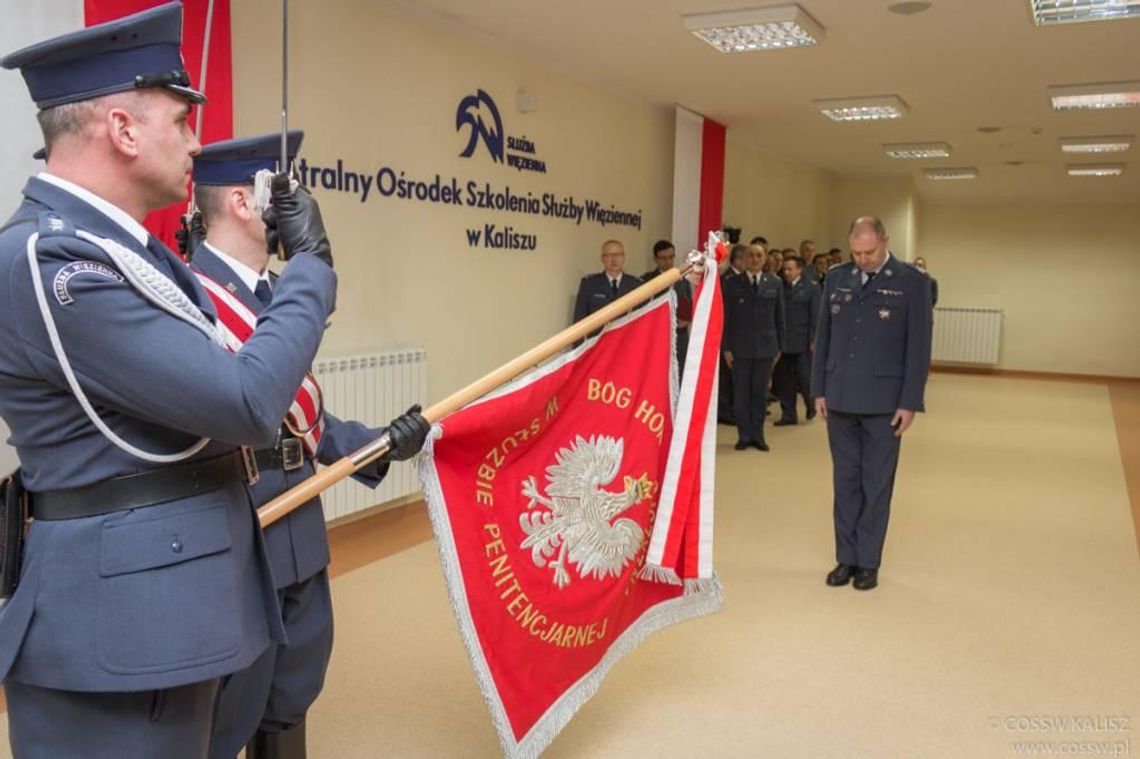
column 1010, row 589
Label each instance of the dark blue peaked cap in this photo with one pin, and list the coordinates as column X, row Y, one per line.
column 141, row 50
column 232, row 162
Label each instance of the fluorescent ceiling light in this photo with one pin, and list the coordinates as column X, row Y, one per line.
column 748, row 29
column 1098, row 96
column 863, row 109
column 1096, row 169
column 964, row 172
column 1117, row 144
column 918, row 150
column 1049, row 12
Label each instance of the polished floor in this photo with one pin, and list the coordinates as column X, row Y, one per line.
column 1010, row 592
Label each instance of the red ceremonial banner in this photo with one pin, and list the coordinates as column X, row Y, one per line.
column 543, row 497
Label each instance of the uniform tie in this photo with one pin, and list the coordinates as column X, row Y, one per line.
column 756, row 285
column 614, row 287
column 870, row 276
column 262, row 291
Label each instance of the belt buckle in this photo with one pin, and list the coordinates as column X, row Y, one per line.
column 292, row 454
column 249, row 465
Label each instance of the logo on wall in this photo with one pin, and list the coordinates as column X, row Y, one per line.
column 480, row 116
column 470, row 113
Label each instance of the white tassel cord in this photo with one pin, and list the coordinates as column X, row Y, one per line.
column 155, row 287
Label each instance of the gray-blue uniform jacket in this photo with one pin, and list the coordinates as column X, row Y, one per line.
column 802, row 305
column 595, row 292
column 298, row 544
column 754, row 323
column 872, row 347
column 169, row 594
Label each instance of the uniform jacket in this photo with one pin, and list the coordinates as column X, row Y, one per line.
column 298, row 544
column 754, row 323
column 173, row 593
column 801, row 301
column 594, row 293
column 872, row 345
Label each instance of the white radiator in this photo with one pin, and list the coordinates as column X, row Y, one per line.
column 372, row 389
column 967, row 335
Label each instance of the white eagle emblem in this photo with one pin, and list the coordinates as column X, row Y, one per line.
column 575, row 522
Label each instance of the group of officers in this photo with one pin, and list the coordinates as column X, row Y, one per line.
column 155, row 400
column 853, row 340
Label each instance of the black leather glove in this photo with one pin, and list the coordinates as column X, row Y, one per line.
column 294, row 221
column 407, row 433
column 190, row 235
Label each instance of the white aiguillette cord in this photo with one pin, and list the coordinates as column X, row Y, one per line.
column 157, row 288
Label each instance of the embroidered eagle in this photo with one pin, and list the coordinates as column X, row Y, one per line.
column 573, row 523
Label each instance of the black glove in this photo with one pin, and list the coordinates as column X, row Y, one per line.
column 407, row 433
column 294, row 221
column 190, row 235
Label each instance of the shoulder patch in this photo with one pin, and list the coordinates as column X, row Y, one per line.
column 75, row 269
column 54, row 225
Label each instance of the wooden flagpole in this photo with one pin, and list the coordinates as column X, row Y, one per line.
column 345, row 467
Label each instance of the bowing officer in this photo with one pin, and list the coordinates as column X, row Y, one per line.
column 265, row 705
column 753, row 338
column 868, row 377
column 793, row 372
column 144, row 581
column 596, row 291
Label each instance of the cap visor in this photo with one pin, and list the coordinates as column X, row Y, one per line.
column 195, row 97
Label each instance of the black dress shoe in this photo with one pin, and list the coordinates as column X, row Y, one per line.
column 784, row 423
column 740, row 446
column 865, row 579
column 841, row 575
column 760, row 446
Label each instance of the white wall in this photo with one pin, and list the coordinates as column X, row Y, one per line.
column 1066, row 276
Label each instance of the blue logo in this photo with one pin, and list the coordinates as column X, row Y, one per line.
column 480, row 113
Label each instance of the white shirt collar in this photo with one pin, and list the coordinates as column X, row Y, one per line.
column 249, row 277
column 614, row 279
column 876, row 271
column 796, row 280
column 111, row 211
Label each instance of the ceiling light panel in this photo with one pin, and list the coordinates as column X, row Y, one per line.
column 964, row 172
column 742, row 31
column 1114, row 144
column 1049, row 12
column 1095, row 96
column 863, row 109
column 918, row 150
column 1096, row 169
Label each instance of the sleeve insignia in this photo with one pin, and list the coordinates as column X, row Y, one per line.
column 77, row 269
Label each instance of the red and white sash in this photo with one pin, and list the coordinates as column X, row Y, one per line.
column 305, row 417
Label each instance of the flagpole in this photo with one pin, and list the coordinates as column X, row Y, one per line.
column 345, row 467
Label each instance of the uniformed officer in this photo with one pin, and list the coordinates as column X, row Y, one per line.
column 753, row 339
column 596, row 291
column 868, row 377
column 265, row 705
column 665, row 255
column 793, row 371
column 144, row 580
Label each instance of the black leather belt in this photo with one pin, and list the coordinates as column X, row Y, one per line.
column 288, row 455
column 135, row 491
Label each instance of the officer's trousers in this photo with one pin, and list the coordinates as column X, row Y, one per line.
column 750, row 377
column 792, row 375
column 864, row 457
column 173, row 723
column 277, row 690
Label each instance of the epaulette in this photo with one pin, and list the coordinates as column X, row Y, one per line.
column 836, row 266
column 51, row 224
